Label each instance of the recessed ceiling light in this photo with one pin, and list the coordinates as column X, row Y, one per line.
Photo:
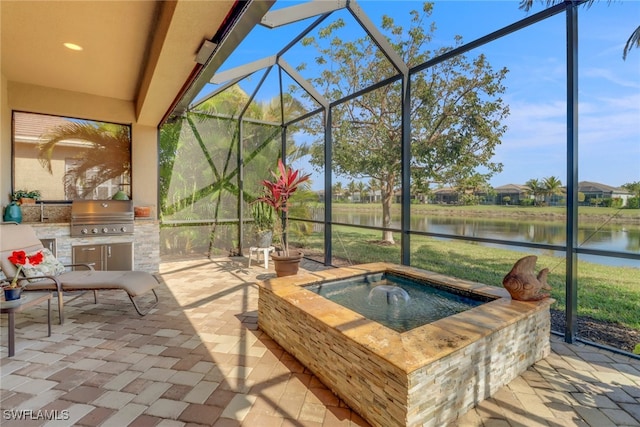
column 72, row 46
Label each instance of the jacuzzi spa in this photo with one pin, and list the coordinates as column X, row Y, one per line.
column 365, row 333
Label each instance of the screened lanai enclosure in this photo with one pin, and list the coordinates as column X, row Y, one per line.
column 456, row 137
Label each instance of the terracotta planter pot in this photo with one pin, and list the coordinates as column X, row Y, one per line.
column 287, row 265
column 27, row 201
column 142, row 211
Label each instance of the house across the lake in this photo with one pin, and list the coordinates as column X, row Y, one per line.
column 511, row 194
column 593, row 194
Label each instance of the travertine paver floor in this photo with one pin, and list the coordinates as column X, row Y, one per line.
column 199, row 359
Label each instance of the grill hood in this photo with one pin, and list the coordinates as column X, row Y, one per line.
column 101, row 217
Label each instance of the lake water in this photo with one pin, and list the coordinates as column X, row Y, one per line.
column 610, row 237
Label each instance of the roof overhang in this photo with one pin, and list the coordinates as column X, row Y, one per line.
column 143, row 52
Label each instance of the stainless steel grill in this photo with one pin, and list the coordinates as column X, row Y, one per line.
column 101, row 217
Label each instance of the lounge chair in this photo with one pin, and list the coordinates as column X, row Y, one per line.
column 83, row 277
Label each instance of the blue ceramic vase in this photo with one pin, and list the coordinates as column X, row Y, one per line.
column 13, row 213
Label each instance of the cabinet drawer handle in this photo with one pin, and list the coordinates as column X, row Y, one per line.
column 89, row 249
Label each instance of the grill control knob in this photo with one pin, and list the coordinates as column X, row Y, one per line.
column 123, row 229
column 94, row 230
column 105, row 230
column 84, row 231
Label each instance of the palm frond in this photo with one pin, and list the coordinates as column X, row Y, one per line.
column 98, row 140
column 634, row 41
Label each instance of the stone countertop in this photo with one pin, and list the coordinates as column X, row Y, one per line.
column 68, row 223
column 55, row 214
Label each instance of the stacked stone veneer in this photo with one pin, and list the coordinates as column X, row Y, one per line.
column 428, row 376
column 145, row 239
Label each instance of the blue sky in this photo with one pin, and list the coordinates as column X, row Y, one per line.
column 534, row 145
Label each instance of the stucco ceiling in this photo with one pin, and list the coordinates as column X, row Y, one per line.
column 139, row 51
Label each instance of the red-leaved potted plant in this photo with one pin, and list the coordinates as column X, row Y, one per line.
column 276, row 194
column 12, row 291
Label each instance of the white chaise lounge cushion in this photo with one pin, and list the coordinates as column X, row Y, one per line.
column 133, row 282
column 84, row 278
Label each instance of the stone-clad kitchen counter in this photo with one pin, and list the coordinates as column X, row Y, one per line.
column 146, row 241
column 53, row 221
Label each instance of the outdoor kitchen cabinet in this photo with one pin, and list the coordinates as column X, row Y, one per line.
column 107, row 256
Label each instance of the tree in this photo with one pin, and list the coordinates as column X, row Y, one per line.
column 374, row 188
column 632, row 41
column 470, row 186
column 352, row 187
column 362, row 190
column 198, row 157
column 551, row 186
column 633, row 188
column 455, row 109
column 337, row 191
column 206, row 138
column 536, row 189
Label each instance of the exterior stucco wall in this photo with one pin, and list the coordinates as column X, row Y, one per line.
column 5, row 143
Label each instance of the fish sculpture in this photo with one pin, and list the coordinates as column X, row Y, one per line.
column 523, row 284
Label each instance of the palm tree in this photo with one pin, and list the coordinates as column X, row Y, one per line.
column 374, row 187
column 352, row 187
column 536, row 189
column 337, row 190
column 93, row 167
column 552, row 186
column 632, row 41
column 633, row 188
column 204, row 144
column 362, row 190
